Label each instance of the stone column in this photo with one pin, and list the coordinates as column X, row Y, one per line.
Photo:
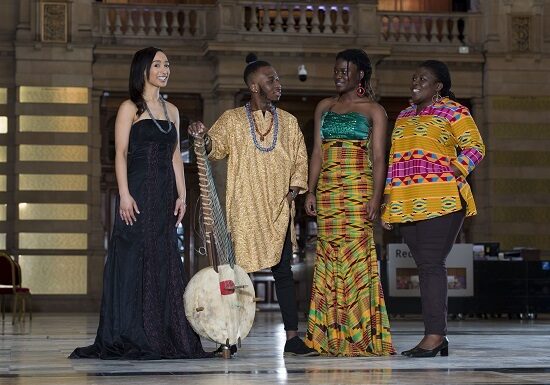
column 231, row 19
column 366, row 23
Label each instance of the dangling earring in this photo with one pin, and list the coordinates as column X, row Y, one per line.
column 360, row 90
column 436, row 98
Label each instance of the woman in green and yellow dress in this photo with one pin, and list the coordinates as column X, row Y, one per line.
column 347, row 315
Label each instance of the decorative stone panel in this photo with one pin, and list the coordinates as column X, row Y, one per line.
column 53, row 22
column 520, row 33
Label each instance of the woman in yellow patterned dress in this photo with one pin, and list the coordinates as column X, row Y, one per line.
column 347, row 315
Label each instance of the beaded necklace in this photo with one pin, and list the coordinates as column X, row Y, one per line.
column 254, row 130
column 262, row 134
column 165, row 114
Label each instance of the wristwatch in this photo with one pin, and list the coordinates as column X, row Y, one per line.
column 293, row 193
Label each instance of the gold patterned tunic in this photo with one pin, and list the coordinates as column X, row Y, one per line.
column 258, row 182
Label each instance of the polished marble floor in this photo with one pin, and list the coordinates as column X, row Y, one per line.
column 498, row 351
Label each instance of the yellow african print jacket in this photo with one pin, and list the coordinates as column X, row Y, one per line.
column 420, row 182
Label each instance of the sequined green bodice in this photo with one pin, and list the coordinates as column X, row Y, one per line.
column 351, row 126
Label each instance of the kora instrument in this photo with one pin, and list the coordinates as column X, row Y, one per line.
column 219, row 299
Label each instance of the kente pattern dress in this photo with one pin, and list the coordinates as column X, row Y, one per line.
column 142, row 315
column 347, row 315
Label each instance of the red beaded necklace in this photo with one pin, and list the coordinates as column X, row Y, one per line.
column 262, row 134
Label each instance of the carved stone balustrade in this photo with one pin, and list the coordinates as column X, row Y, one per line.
column 426, row 28
column 278, row 21
column 152, row 21
column 297, row 18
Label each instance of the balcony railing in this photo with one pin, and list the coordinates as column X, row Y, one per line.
column 429, row 28
column 296, row 18
column 277, row 18
column 137, row 21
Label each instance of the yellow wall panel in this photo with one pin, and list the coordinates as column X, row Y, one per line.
column 3, row 208
column 53, row 153
column 64, row 95
column 54, row 274
column 55, row 241
column 53, row 211
column 521, row 214
column 46, row 123
column 53, row 182
column 521, row 158
column 521, row 186
column 3, row 154
column 3, row 95
column 3, row 183
column 3, row 124
column 3, row 241
column 521, row 130
column 507, row 241
column 525, row 103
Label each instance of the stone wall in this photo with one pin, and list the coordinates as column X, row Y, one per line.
column 514, row 191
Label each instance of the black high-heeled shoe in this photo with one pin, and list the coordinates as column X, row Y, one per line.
column 408, row 352
column 442, row 348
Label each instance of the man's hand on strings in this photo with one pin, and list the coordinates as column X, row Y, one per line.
column 197, row 129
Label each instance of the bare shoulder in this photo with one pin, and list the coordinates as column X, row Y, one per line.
column 128, row 107
column 172, row 110
column 325, row 104
column 171, row 107
column 379, row 110
column 372, row 110
column 127, row 112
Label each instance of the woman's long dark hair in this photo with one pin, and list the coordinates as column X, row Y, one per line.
column 361, row 61
column 139, row 70
column 442, row 74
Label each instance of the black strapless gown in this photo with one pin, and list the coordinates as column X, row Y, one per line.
column 142, row 314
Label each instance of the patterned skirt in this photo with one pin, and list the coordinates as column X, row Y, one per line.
column 347, row 315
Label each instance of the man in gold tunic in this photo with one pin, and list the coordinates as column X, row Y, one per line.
column 267, row 169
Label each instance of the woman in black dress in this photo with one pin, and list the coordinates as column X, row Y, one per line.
column 142, row 313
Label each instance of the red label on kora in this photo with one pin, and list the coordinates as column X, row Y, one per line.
column 227, row 287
